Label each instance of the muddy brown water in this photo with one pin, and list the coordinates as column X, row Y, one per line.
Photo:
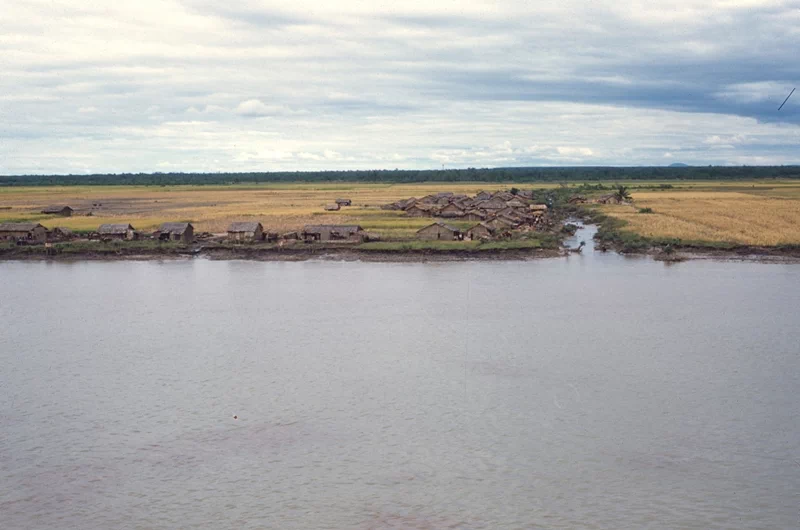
column 592, row 391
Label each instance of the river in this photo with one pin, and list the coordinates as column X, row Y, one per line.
column 593, row 391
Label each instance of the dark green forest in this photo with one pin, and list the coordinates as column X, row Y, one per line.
column 511, row 174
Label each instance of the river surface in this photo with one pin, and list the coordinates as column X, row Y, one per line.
column 593, row 391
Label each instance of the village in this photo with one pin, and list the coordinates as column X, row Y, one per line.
column 483, row 217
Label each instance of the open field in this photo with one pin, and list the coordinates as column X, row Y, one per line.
column 765, row 212
column 279, row 207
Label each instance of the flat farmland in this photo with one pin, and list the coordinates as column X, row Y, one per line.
column 761, row 213
column 279, row 207
column 764, row 212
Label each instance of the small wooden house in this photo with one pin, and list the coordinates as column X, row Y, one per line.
column 439, row 232
column 61, row 233
column 332, row 207
column 63, row 211
column 483, row 196
column 474, row 215
column 246, row 231
column 500, row 223
column 117, row 231
column 31, row 232
column 344, row 202
column 451, row 210
column 183, row 232
column 480, row 231
column 420, row 209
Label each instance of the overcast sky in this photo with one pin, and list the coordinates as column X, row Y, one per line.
column 210, row 85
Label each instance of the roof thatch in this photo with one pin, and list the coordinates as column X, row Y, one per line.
column 484, row 225
column 332, row 207
column 441, row 224
column 18, row 227
column 56, row 209
column 174, row 228
column 111, row 229
column 491, row 204
column 245, row 226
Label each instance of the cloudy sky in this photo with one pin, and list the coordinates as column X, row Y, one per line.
column 210, row 85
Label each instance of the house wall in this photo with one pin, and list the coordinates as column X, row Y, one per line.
column 478, row 232
column 257, row 235
column 435, row 232
column 186, row 237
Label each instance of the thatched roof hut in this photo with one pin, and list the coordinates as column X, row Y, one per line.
column 439, row 231
column 116, row 231
column 176, row 232
column 63, row 211
column 23, row 232
column 246, row 230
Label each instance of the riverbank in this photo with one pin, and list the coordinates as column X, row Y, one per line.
column 400, row 253
column 275, row 253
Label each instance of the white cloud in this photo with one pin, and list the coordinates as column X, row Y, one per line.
column 347, row 84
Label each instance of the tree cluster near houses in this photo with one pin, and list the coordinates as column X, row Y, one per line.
column 496, row 214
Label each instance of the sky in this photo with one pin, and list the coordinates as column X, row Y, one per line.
column 91, row 86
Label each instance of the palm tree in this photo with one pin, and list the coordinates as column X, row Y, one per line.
column 622, row 194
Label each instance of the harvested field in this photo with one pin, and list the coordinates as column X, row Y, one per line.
column 764, row 214
column 754, row 212
column 279, row 207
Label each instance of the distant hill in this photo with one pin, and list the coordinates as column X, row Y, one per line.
column 679, row 164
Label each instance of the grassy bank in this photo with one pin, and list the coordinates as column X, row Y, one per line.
column 456, row 246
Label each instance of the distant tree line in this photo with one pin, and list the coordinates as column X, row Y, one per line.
column 510, row 174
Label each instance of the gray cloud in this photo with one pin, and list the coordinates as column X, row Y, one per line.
column 298, row 85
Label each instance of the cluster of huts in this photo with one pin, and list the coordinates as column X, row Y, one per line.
column 496, row 214
column 240, row 231
column 37, row 233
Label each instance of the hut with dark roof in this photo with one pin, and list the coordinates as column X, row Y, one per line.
column 246, row 231
column 183, row 232
column 33, row 232
column 439, row 232
column 63, row 211
column 117, row 231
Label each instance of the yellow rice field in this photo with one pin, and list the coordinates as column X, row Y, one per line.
column 752, row 214
column 756, row 213
column 279, row 207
